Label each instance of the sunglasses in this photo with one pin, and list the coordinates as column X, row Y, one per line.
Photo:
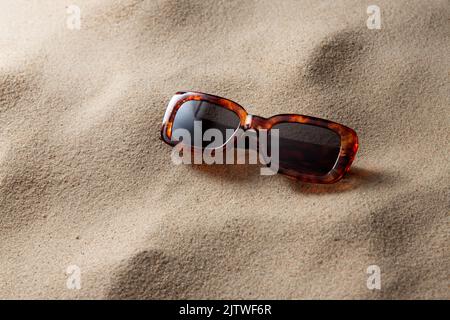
column 310, row 149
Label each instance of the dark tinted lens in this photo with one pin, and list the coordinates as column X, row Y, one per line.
column 210, row 116
column 307, row 149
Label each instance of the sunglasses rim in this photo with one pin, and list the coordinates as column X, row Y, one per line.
column 348, row 137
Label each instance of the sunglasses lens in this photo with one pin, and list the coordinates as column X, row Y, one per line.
column 197, row 117
column 307, row 149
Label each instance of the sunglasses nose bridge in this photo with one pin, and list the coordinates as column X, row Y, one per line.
column 254, row 122
column 248, row 122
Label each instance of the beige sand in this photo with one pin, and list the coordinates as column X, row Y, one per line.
column 85, row 180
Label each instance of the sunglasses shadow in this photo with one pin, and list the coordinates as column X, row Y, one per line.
column 356, row 178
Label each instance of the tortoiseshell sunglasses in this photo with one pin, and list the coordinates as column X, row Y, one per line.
column 310, row 149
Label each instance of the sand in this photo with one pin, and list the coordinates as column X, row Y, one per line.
column 85, row 180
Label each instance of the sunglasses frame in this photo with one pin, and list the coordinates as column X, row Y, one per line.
column 349, row 139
